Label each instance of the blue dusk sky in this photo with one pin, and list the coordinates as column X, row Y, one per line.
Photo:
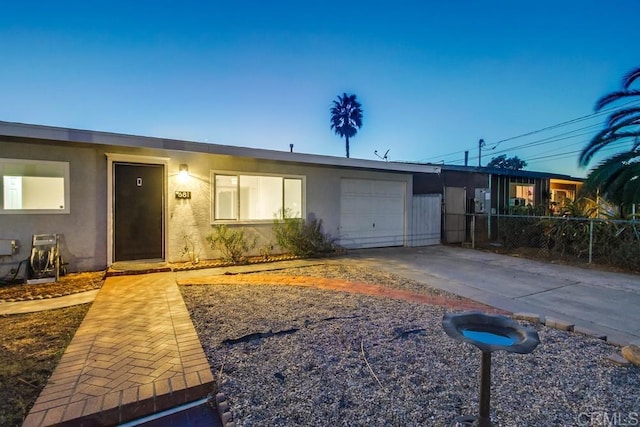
column 433, row 77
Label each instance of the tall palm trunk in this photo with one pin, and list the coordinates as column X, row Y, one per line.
column 346, row 137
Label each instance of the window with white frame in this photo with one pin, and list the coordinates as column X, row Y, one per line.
column 243, row 197
column 34, row 186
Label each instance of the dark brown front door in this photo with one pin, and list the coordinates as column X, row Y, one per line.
column 138, row 211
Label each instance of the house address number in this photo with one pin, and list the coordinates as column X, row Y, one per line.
column 183, row 194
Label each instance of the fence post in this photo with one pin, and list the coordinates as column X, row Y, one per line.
column 473, row 231
column 590, row 240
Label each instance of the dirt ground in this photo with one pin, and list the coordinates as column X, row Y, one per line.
column 31, row 344
column 66, row 285
column 30, row 347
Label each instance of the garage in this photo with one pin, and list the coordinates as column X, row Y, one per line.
column 372, row 213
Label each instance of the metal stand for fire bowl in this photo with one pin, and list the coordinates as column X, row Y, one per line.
column 489, row 333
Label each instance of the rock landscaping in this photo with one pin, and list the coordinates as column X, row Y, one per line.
column 293, row 355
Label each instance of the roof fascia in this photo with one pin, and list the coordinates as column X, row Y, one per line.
column 40, row 132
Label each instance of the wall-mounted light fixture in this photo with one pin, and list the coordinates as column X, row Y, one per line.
column 183, row 173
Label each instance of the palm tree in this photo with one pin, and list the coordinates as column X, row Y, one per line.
column 617, row 177
column 346, row 117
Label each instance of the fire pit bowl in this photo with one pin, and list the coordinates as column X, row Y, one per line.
column 489, row 333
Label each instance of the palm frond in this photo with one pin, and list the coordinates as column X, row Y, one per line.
column 615, row 96
column 582, row 207
column 623, row 115
column 611, row 133
column 617, row 177
column 628, row 80
column 346, row 117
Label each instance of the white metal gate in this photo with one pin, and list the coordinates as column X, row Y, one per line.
column 426, row 213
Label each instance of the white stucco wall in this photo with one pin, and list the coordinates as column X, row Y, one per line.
column 83, row 231
column 192, row 217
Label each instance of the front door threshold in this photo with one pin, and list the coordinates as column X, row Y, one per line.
column 125, row 268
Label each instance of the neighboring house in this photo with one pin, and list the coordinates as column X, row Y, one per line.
column 491, row 192
column 113, row 197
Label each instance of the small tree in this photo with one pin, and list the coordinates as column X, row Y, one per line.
column 502, row 162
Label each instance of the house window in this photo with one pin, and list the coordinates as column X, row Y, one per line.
column 521, row 195
column 293, row 197
column 255, row 197
column 226, row 197
column 34, row 186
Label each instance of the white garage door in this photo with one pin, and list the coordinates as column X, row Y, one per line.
column 371, row 213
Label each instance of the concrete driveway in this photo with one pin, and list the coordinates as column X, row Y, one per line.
column 602, row 302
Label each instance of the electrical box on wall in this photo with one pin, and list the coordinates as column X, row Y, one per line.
column 482, row 200
column 8, row 247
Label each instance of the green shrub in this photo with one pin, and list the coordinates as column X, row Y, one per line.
column 233, row 244
column 303, row 238
column 266, row 251
column 189, row 249
column 617, row 244
column 614, row 243
column 566, row 236
column 517, row 232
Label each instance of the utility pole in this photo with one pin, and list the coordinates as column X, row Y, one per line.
column 480, row 145
column 466, row 157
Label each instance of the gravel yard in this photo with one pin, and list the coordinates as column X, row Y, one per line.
column 287, row 355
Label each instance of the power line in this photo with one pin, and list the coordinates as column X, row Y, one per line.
column 529, row 160
column 550, row 139
column 538, row 143
column 611, row 147
column 553, row 138
column 569, row 122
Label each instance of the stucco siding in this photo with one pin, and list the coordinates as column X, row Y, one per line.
column 83, row 232
column 192, row 217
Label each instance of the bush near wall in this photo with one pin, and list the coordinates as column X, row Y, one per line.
column 303, row 238
column 233, row 244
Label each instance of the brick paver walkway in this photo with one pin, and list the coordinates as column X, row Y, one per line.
column 135, row 353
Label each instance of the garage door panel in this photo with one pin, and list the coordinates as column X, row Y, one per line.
column 372, row 213
column 386, row 222
column 386, row 188
column 388, row 207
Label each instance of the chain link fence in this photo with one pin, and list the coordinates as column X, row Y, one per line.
column 609, row 242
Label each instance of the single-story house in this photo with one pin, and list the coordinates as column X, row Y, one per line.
column 113, row 197
column 490, row 192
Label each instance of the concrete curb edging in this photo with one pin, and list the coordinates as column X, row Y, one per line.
column 529, row 317
column 562, row 325
column 590, row 332
column 226, row 417
column 559, row 324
